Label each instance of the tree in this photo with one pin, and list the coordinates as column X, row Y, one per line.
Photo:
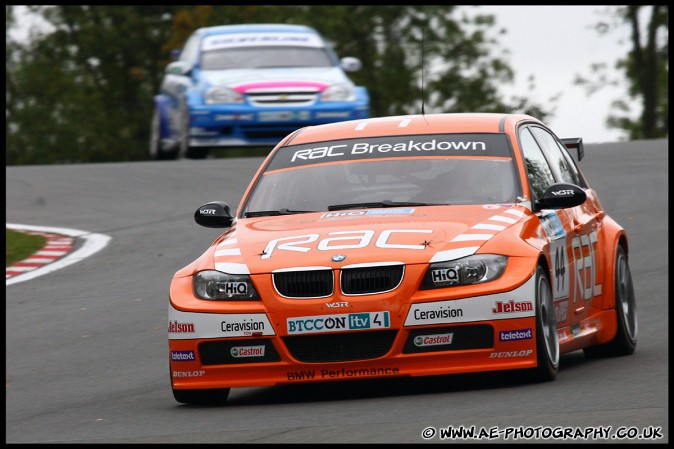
column 83, row 92
column 645, row 69
column 458, row 68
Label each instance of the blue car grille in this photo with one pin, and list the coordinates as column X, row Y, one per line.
column 303, row 97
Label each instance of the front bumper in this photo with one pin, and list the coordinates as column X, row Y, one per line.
column 242, row 125
column 255, row 346
column 280, row 367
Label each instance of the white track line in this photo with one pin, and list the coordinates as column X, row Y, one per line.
column 92, row 244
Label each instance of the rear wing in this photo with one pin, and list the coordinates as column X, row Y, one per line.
column 577, row 143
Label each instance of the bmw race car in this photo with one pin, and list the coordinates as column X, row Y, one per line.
column 251, row 85
column 403, row 246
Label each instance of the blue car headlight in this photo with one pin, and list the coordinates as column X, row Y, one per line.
column 339, row 92
column 474, row 269
column 222, row 95
column 218, row 286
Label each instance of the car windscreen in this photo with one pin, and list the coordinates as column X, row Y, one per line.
column 423, row 169
column 264, row 57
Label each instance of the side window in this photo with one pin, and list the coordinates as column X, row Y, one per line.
column 538, row 170
column 558, row 163
column 189, row 53
column 576, row 173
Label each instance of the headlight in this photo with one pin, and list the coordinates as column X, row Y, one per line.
column 218, row 286
column 222, row 95
column 469, row 270
column 339, row 92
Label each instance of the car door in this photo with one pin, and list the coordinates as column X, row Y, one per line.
column 572, row 232
column 585, row 263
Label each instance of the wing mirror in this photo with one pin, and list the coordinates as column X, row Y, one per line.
column 351, row 64
column 561, row 196
column 177, row 68
column 215, row 214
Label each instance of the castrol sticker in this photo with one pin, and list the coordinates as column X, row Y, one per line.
column 433, row 340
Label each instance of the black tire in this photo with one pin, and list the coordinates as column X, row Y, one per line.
column 547, row 339
column 202, row 397
column 196, row 153
column 185, row 150
column 155, row 150
column 625, row 340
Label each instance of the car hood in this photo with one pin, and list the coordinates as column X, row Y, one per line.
column 371, row 236
column 244, row 79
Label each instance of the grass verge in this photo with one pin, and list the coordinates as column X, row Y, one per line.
column 19, row 245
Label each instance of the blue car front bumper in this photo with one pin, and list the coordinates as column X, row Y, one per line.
column 241, row 125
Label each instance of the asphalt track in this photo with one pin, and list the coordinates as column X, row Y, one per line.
column 86, row 348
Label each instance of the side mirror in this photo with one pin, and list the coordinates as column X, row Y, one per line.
column 561, row 196
column 215, row 214
column 351, row 64
column 177, row 68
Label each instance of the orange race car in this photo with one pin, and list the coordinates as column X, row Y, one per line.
column 403, row 246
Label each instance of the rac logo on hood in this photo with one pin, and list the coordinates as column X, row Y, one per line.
column 340, row 240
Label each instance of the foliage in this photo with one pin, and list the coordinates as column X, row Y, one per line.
column 82, row 92
column 645, row 68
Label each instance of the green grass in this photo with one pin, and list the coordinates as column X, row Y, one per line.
column 19, row 246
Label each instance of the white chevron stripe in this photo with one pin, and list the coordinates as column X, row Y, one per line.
column 492, row 227
column 229, row 241
column 503, row 219
column 232, row 268
column 451, row 254
column 228, row 252
column 516, row 212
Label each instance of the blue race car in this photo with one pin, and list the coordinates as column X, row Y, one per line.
column 251, row 85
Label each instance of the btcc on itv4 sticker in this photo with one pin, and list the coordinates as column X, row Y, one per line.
column 341, row 322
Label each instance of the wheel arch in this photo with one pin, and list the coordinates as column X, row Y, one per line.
column 614, row 236
column 161, row 104
column 545, row 263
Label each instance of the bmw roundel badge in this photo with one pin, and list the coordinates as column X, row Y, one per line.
column 338, row 258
